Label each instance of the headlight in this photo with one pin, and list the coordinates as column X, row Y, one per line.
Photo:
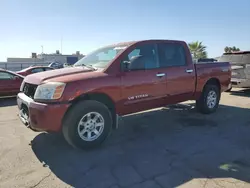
column 50, row 90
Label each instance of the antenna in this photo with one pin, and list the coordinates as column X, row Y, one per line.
column 61, row 44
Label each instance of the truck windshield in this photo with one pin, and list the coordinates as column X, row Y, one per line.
column 101, row 57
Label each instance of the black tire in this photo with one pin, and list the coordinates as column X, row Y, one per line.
column 73, row 117
column 201, row 104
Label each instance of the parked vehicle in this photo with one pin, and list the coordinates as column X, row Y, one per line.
column 56, row 65
column 207, row 60
column 240, row 63
column 34, row 69
column 10, row 83
column 67, row 65
column 85, row 101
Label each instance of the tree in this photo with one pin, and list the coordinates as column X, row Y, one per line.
column 231, row 49
column 226, row 49
column 198, row 50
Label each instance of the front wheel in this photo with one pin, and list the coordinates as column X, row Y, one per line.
column 209, row 99
column 87, row 124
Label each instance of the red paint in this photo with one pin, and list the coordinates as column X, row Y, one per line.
column 45, row 117
column 30, row 70
column 10, row 86
column 176, row 86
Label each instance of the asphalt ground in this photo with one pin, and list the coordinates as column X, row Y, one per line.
column 174, row 146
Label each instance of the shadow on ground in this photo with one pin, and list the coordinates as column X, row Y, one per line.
column 242, row 93
column 167, row 147
column 8, row 101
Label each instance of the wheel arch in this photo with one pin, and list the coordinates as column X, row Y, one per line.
column 213, row 81
column 100, row 97
column 201, row 102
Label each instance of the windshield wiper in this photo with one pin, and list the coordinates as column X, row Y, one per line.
column 88, row 66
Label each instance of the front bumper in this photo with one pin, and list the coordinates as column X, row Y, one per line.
column 240, row 83
column 40, row 116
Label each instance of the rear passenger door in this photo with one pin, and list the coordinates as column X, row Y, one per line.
column 180, row 76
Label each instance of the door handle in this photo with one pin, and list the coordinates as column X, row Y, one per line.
column 160, row 74
column 189, row 70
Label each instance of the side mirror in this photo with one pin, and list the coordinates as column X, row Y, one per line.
column 137, row 63
column 125, row 65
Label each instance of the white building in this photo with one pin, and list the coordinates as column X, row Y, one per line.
column 48, row 58
column 16, row 64
column 61, row 58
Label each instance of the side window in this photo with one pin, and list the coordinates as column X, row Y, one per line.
column 6, row 76
column 47, row 69
column 171, row 55
column 134, row 53
column 143, row 57
column 37, row 70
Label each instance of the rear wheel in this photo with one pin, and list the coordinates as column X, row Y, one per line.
column 87, row 124
column 209, row 99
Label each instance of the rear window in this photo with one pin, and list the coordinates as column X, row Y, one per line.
column 35, row 70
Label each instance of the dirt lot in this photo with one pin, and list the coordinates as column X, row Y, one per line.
column 167, row 147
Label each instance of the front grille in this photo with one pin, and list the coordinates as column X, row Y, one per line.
column 29, row 90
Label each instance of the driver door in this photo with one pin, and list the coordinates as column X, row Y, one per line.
column 143, row 87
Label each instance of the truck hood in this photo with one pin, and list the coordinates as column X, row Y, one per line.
column 60, row 75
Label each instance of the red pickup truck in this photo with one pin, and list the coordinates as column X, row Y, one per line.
column 85, row 101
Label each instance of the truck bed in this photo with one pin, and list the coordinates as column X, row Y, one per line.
column 218, row 70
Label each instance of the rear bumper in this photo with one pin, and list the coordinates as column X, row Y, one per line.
column 40, row 116
column 240, row 83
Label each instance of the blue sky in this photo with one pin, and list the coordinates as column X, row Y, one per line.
column 87, row 24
